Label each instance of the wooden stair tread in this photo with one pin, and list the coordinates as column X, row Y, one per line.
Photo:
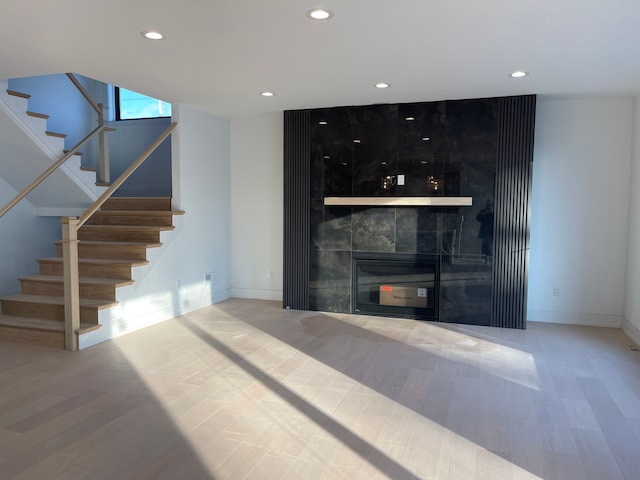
column 148, row 213
column 119, row 244
column 90, row 226
column 37, row 115
column 137, row 203
column 100, row 261
column 18, row 94
column 55, row 134
column 41, row 324
column 87, row 169
column 88, row 327
column 76, row 153
column 29, row 322
column 140, row 198
column 51, row 300
column 86, row 280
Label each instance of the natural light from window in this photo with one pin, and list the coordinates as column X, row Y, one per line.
column 134, row 105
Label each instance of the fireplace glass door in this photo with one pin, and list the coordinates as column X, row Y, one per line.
column 396, row 285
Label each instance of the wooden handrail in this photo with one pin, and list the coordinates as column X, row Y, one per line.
column 48, row 171
column 85, row 94
column 125, row 175
column 70, row 227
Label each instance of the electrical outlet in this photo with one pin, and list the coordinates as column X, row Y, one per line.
column 556, row 291
column 207, row 278
column 269, row 273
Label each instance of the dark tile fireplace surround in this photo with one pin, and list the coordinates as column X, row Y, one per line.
column 451, row 263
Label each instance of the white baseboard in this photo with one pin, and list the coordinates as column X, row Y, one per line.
column 114, row 325
column 575, row 318
column 256, row 294
column 221, row 295
column 113, row 328
column 632, row 331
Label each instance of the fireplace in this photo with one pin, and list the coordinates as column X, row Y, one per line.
column 393, row 284
column 409, row 187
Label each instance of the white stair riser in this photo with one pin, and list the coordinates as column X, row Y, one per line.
column 36, row 124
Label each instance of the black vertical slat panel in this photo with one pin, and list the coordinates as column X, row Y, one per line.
column 516, row 123
column 297, row 199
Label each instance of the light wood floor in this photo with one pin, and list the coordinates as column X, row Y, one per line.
column 246, row 390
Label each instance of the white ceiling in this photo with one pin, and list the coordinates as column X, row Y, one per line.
column 218, row 55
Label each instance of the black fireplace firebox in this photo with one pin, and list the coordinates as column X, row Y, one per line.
column 398, row 285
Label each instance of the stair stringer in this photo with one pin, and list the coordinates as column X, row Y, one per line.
column 15, row 110
column 154, row 297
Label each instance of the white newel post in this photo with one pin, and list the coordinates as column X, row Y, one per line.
column 103, row 149
column 71, row 282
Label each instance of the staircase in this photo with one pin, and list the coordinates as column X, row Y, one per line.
column 111, row 244
column 25, row 135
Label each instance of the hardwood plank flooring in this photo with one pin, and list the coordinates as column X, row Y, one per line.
column 246, row 390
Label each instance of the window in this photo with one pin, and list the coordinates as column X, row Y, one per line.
column 131, row 105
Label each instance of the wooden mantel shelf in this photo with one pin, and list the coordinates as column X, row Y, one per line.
column 398, row 201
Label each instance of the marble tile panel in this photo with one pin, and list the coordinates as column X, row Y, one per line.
column 465, row 290
column 374, row 229
column 330, row 227
column 330, row 281
column 417, row 230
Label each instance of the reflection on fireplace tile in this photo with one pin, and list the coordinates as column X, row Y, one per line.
column 417, row 230
column 465, row 290
column 374, row 230
column 411, row 241
column 330, row 227
column 330, row 281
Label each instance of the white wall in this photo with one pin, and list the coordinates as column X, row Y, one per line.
column 56, row 96
column 127, row 143
column 582, row 163
column 24, row 237
column 632, row 299
column 174, row 281
column 202, row 188
column 256, row 203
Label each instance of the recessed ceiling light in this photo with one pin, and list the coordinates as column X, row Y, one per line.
column 410, row 119
column 382, row 85
column 327, row 157
column 319, row 14
column 357, row 141
column 323, row 122
column 426, row 139
column 267, row 94
column 152, row 35
column 518, row 74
